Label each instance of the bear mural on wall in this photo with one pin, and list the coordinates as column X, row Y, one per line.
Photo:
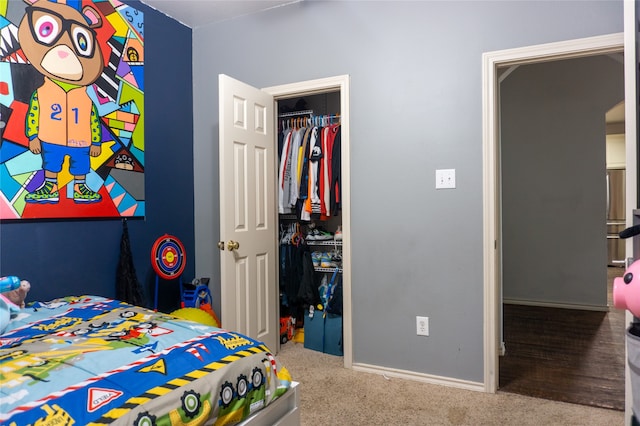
column 72, row 112
column 62, row 119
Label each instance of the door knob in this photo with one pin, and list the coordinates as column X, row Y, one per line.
column 233, row 245
column 221, row 245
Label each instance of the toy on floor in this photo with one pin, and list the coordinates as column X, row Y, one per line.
column 196, row 315
column 168, row 259
column 287, row 328
column 197, row 295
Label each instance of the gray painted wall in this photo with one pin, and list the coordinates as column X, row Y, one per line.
column 415, row 72
column 554, row 192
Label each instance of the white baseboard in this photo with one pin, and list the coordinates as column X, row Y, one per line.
column 555, row 305
column 419, row 377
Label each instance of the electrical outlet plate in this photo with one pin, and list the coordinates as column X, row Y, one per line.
column 446, row 179
column 422, row 326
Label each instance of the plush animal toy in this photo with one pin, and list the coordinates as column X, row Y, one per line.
column 12, row 295
column 18, row 295
column 9, row 283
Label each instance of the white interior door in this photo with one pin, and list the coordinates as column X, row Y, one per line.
column 248, row 256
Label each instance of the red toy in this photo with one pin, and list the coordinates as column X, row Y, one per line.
column 287, row 327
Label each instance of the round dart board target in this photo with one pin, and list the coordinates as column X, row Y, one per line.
column 167, row 257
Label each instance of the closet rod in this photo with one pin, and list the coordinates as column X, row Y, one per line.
column 294, row 113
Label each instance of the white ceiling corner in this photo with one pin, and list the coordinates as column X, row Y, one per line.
column 196, row 13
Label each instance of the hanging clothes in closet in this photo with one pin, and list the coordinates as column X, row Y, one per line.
column 298, row 283
column 309, row 180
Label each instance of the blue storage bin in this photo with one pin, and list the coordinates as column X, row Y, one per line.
column 324, row 333
column 314, row 331
column 333, row 335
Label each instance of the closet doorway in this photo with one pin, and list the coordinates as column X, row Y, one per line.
column 248, row 284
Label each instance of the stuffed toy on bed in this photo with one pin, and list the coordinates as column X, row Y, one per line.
column 13, row 293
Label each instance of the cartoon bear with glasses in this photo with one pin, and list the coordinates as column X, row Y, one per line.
column 59, row 41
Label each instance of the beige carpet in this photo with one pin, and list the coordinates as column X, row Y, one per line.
column 333, row 395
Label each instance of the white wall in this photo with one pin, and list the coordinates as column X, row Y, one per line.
column 616, row 156
column 415, row 72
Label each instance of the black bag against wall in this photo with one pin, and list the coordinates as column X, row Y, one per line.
column 128, row 287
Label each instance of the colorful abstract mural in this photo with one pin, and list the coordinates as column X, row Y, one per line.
column 71, row 109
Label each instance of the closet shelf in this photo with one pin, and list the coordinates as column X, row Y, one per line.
column 324, row 243
column 319, row 269
column 295, row 113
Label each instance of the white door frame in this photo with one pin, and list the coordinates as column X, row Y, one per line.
column 631, row 150
column 490, row 180
column 311, row 87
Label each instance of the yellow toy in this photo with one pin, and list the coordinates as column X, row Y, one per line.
column 197, row 315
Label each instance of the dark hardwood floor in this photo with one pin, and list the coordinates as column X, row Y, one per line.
column 566, row 355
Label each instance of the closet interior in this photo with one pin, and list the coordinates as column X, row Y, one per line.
column 310, row 221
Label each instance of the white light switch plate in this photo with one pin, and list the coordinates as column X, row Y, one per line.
column 446, row 179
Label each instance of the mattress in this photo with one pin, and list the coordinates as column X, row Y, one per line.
column 91, row 360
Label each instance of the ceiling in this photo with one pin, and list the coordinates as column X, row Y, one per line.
column 196, row 13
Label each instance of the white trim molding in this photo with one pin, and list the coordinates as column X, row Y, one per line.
column 419, row 377
column 631, row 149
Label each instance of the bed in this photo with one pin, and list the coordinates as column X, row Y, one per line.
column 90, row 360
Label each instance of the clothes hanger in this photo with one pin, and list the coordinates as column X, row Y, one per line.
column 298, row 237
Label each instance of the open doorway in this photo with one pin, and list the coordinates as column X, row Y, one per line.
column 493, row 63
column 557, row 324
column 340, row 86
